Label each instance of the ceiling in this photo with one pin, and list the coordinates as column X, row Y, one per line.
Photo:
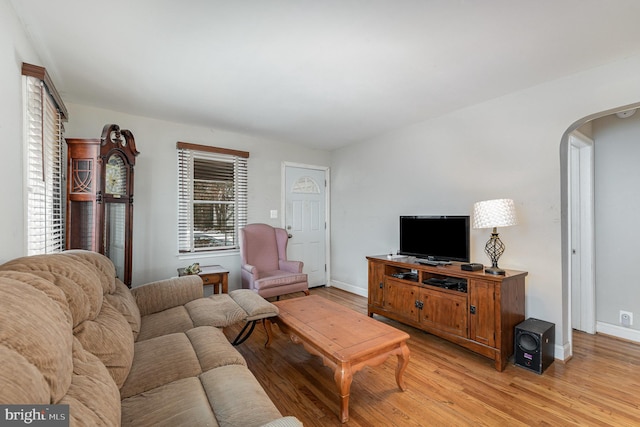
column 324, row 73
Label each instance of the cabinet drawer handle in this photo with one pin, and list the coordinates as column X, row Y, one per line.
column 472, row 309
column 381, row 284
column 206, row 280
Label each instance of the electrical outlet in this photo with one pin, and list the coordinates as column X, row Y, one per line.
column 274, row 213
column 626, row 318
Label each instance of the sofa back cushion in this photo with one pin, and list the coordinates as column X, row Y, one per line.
column 93, row 397
column 85, row 278
column 35, row 341
column 123, row 300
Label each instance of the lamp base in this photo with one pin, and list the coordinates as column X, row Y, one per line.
column 495, row 271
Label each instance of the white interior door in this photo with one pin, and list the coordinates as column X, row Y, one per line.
column 582, row 257
column 305, row 219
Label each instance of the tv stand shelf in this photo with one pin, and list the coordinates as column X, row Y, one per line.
column 480, row 313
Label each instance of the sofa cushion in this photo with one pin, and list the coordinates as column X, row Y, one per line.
column 170, row 321
column 164, row 294
column 123, row 301
column 253, row 304
column 217, row 310
column 99, row 327
column 93, row 396
column 38, row 339
column 159, row 361
column 237, row 398
column 109, row 337
column 213, row 349
column 79, row 281
column 103, row 265
column 188, row 406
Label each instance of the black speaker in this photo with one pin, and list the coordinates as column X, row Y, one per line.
column 534, row 344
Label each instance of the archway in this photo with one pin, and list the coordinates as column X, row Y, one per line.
column 587, row 229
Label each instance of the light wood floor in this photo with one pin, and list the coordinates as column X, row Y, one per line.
column 450, row 386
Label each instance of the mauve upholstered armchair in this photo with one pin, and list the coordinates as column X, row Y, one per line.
column 265, row 268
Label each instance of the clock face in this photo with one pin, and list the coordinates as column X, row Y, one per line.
column 115, row 177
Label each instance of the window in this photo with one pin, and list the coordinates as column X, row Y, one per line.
column 43, row 117
column 212, row 197
column 305, row 184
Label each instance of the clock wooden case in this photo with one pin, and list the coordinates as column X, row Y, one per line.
column 100, row 177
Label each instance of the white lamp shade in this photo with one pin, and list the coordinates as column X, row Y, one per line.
column 494, row 213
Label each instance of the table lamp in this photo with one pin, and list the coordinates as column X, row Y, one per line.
column 493, row 214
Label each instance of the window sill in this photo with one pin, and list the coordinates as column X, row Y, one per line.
column 208, row 254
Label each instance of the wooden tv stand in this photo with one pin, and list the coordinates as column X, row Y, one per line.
column 482, row 319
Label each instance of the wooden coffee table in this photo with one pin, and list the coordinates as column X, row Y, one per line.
column 346, row 340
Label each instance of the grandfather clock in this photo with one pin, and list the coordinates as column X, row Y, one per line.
column 115, row 198
column 100, row 196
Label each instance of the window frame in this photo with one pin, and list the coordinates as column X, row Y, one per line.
column 186, row 153
column 43, row 114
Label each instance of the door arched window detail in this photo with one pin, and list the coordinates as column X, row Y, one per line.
column 306, row 184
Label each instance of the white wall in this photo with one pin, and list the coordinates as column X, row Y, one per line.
column 617, row 177
column 507, row 147
column 14, row 49
column 155, row 251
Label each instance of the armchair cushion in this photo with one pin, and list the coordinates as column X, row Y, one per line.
column 270, row 279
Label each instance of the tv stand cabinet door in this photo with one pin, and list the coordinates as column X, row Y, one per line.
column 445, row 312
column 401, row 299
column 482, row 312
column 376, row 284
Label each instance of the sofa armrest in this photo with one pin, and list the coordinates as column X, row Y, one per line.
column 284, row 422
column 161, row 295
column 291, row 266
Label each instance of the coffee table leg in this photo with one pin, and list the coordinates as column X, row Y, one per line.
column 343, row 377
column 403, row 362
column 267, row 327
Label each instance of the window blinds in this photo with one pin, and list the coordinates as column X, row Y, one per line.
column 45, row 215
column 212, row 197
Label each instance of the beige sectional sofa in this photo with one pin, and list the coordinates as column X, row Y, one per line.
column 72, row 333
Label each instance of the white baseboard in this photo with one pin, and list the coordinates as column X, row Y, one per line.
column 562, row 352
column 349, row 288
column 618, row 331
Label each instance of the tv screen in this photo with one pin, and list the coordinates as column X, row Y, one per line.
column 440, row 238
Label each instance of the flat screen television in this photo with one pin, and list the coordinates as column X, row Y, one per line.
column 438, row 238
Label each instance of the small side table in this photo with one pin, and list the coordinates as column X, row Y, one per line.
column 215, row 275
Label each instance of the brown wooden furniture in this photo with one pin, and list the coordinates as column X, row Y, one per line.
column 100, row 196
column 118, row 157
column 83, row 176
column 346, row 340
column 215, row 275
column 482, row 319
